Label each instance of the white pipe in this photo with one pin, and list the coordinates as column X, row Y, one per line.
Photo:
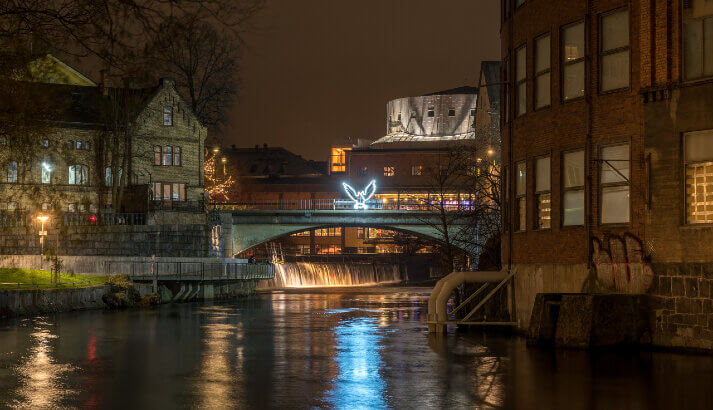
column 437, row 302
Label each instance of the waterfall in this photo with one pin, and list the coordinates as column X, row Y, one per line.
column 309, row 274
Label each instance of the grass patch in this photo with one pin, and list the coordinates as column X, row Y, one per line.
column 40, row 279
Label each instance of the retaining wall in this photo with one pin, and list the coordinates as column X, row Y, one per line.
column 35, row 301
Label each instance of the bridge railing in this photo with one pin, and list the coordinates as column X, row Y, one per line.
column 340, row 204
column 194, row 270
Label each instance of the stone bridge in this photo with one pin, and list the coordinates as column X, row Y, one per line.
column 243, row 229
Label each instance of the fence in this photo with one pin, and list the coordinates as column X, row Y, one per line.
column 339, row 204
column 192, row 270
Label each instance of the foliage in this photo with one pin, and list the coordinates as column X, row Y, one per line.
column 217, row 186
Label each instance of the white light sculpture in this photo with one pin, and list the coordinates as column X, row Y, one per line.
column 362, row 196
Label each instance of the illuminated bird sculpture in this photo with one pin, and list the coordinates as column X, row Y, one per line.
column 362, row 196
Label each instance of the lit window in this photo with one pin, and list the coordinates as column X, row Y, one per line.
column 542, row 72
column 72, row 208
column 157, row 191
column 614, row 183
column 12, row 171
column 543, row 193
column 157, row 155
column 521, row 80
column 521, row 196
column 573, row 182
column 573, row 61
column 79, row 144
column 177, row 156
column 45, row 206
column 168, row 115
column 614, row 61
column 389, row 171
column 78, row 175
column 339, row 159
column 416, row 170
column 697, row 39
column 46, row 173
column 698, row 158
column 167, row 156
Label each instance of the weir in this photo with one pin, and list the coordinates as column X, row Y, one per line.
column 315, row 274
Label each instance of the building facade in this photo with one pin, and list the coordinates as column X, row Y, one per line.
column 83, row 159
column 605, row 141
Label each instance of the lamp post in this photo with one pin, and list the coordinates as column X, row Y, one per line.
column 43, row 233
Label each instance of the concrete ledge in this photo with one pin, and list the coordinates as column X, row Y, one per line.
column 28, row 302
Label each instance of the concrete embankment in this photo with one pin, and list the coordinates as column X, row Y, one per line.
column 38, row 301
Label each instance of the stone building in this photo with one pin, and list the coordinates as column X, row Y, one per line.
column 85, row 154
column 607, row 140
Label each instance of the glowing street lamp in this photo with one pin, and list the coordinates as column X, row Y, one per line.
column 43, row 233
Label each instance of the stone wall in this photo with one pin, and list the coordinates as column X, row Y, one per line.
column 188, row 240
column 27, row 302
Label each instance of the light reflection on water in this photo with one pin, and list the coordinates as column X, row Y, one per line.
column 336, row 348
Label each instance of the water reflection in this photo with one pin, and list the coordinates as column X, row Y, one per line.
column 39, row 375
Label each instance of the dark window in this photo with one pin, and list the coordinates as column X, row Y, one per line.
column 431, row 112
column 167, row 115
column 157, row 155
column 451, row 112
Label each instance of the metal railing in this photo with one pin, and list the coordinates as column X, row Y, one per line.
column 340, row 204
column 192, row 270
column 161, row 205
column 103, row 218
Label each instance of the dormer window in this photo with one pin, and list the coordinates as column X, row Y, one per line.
column 167, row 115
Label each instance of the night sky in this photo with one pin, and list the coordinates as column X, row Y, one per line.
column 319, row 71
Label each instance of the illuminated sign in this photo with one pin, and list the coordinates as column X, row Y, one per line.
column 362, row 196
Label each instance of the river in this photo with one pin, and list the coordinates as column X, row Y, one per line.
column 338, row 348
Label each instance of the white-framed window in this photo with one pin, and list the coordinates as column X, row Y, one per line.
column 416, row 170
column 542, row 71
column 389, row 171
column 521, row 80
column 697, row 39
column 12, row 171
column 573, row 53
column 543, row 192
column 521, row 196
column 573, row 184
column 614, row 184
column 614, row 57
column 698, row 162
column 167, row 115
column 78, row 175
column 46, row 170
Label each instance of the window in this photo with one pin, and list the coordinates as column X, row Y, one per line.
column 70, row 144
column 72, row 208
column 157, row 155
column 87, row 145
column 573, row 183
column 521, row 80
column 78, row 175
column 167, row 156
column 543, row 193
column 79, row 144
column 3, row 141
column 168, row 115
column 521, row 196
column 12, row 171
column 389, row 171
column 614, row 183
column 11, row 206
column 169, row 191
column 472, row 113
column 82, row 208
column 46, row 173
column 177, row 160
column 505, row 109
column 416, row 170
column 614, row 58
column 109, row 178
column 45, row 143
column 45, row 206
column 698, row 157
column 398, row 117
column 697, row 39
column 303, row 249
column 362, row 171
column 339, row 159
column 360, row 233
column 573, row 61
column 542, row 71
column 431, row 112
column 451, row 112
column 328, row 232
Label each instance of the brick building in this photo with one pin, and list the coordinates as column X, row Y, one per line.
column 608, row 150
column 72, row 166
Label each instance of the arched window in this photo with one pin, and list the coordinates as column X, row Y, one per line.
column 78, row 175
column 12, row 171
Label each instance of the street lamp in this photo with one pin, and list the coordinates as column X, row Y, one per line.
column 43, row 233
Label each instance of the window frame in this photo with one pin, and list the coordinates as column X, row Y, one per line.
column 519, row 82
column 78, row 171
column 601, row 186
column 682, row 43
column 563, row 63
column 601, row 53
column 538, row 74
column 167, row 150
column 564, row 189
column 389, row 170
column 416, row 170
column 16, row 175
column 157, row 150
column 685, row 164
column 519, row 197
column 177, row 156
column 170, row 115
column 545, row 192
